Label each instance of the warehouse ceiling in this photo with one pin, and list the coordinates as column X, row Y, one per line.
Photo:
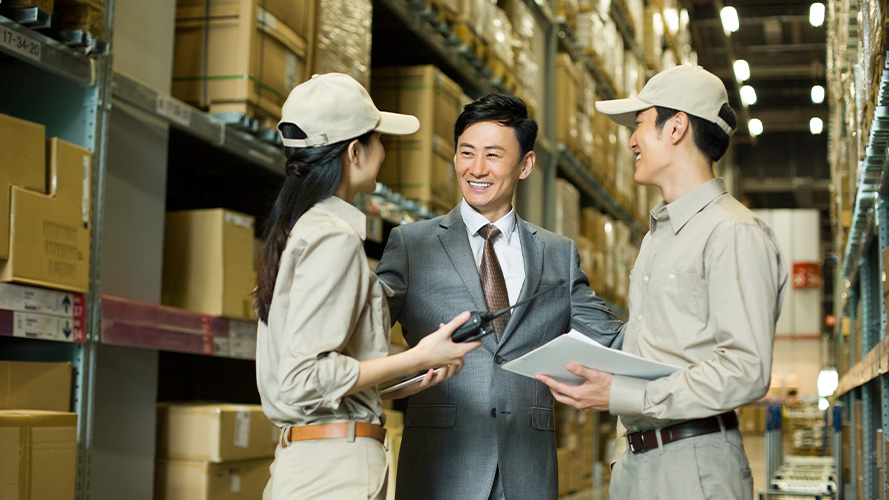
column 786, row 166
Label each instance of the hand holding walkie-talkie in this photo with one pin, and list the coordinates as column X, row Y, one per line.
column 479, row 323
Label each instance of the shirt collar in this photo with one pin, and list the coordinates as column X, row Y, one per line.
column 346, row 211
column 475, row 221
column 682, row 210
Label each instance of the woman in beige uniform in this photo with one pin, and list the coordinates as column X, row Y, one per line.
column 323, row 331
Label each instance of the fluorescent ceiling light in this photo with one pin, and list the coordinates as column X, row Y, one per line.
column 816, row 125
column 742, row 70
column 817, row 94
column 754, row 126
column 816, row 14
column 729, row 18
column 748, row 95
column 828, row 381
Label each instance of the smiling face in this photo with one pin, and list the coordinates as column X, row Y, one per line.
column 489, row 167
column 650, row 146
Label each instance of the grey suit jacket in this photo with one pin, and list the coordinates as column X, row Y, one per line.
column 458, row 432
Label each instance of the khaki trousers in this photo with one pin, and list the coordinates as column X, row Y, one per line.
column 329, row 469
column 713, row 466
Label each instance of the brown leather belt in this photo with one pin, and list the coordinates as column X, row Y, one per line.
column 331, row 431
column 647, row 440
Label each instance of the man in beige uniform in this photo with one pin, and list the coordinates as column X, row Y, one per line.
column 705, row 295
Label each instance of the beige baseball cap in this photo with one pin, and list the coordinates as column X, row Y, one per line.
column 691, row 89
column 333, row 107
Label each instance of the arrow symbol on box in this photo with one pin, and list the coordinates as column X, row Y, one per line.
column 66, row 330
column 66, row 302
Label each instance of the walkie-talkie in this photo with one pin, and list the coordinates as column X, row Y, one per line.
column 479, row 323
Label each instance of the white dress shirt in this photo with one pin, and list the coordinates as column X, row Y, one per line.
column 507, row 246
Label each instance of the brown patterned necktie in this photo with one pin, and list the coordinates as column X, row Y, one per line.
column 493, row 284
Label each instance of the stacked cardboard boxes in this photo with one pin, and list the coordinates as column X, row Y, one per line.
column 421, row 165
column 213, row 451
column 240, row 56
column 45, row 208
column 38, row 436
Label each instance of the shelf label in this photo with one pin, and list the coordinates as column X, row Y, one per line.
column 174, row 111
column 38, row 326
column 206, row 335
column 20, row 44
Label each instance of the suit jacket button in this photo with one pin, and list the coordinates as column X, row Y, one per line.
column 494, row 412
column 498, row 359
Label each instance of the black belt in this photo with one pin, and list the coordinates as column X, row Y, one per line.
column 647, row 440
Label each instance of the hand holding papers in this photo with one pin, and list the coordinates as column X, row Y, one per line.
column 550, row 359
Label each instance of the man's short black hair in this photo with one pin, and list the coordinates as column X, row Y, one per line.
column 709, row 138
column 507, row 110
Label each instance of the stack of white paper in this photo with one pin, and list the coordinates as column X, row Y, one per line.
column 550, row 359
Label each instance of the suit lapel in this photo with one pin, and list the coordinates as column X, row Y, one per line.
column 532, row 255
column 456, row 244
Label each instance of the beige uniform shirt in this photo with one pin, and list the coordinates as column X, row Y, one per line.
column 328, row 312
column 705, row 295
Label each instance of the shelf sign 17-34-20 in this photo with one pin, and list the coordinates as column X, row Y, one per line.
column 20, row 44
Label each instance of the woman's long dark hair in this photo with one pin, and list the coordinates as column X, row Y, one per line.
column 312, row 174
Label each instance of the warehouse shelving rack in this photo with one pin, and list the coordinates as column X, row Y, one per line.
column 73, row 94
column 864, row 387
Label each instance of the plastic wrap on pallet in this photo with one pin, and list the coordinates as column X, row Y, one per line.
column 521, row 17
column 344, row 37
column 476, row 14
column 528, row 71
column 498, row 35
column 653, row 36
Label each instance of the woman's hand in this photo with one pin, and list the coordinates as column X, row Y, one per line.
column 438, row 350
column 432, row 377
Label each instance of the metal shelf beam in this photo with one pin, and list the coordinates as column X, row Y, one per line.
column 45, row 53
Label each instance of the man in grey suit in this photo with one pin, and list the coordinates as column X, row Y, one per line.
column 487, row 433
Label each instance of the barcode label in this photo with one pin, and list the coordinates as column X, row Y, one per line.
column 20, row 44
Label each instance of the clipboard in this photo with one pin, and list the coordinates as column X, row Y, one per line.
column 550, row 359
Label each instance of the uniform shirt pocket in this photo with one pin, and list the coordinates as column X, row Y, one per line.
column 674, row 304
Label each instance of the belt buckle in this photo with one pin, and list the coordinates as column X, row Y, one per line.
column 633, row 448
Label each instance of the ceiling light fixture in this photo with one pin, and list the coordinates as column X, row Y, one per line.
column 817, row 94
column 748, row 95
column 816, row 125
column 816, row 14
column 729, row 16
column 742, row 70
column 754, row 126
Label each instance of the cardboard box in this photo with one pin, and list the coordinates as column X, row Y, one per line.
column 38, row 450
column 35, row 386
column 44, row 5
column 422, row 91
column 567, row 209
column 208, row 262
column 297, row 15
column 421, row 169
column 214, row 432
column 199, row 480
column 566, row 101
column 248, row 62
column 86, row 15
column 50, row 233
column 22, row 163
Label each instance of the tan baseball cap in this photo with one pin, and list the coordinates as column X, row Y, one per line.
column 691, row 89
column 333, row 107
